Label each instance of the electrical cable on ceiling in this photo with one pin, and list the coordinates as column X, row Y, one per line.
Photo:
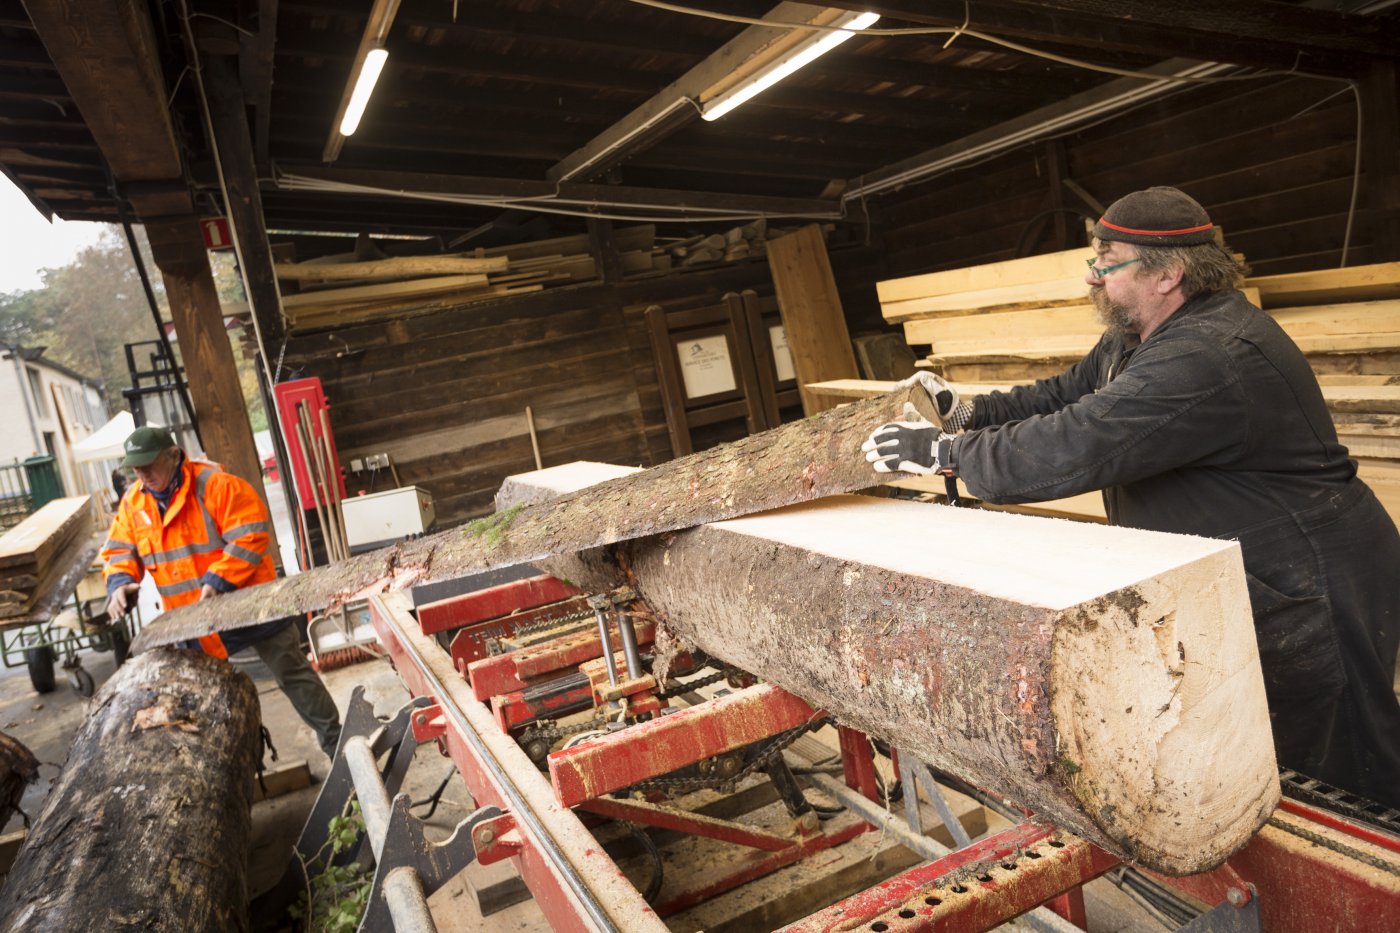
column 289, row 181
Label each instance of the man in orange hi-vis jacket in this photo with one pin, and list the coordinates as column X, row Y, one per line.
column 198, row 532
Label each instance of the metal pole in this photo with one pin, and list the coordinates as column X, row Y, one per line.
column 598, row 604
column 629, row 645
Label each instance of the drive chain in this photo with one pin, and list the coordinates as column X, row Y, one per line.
column 773, row 748
column 1318, row 839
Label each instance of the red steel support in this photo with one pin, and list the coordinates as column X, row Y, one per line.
column 694, row 824
column 612, row 762
column 858, row 762
column 507, row 673
column 972, row 889
column 494, row 602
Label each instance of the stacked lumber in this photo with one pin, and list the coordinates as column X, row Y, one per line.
column 334, row 293
column 742, row 242
column 40, row 550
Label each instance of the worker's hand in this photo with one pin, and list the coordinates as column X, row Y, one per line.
column 909, row 446
column 205, row 592
column 121, row 600
column 954, row 412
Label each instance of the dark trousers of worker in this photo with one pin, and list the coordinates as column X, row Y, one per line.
column 1327, row 612
column 282, row 653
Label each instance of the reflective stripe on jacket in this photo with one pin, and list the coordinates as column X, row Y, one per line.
column 216, row 530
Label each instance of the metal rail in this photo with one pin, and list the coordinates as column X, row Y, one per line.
column 519, row 807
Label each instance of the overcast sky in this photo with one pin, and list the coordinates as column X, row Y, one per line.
column 29, row 243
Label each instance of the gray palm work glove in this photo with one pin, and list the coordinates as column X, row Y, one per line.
column 908, row 446
column 956, row 414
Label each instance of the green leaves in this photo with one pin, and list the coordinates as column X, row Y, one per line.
column 336, row 895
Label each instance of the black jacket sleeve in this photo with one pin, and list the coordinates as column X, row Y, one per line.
column 1178, row 401
column 1045, row 396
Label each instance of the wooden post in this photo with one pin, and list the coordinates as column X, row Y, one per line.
column 238, row 177
column 812, row 315
column 205, row 349
column 1380, row 158
column 149, row 824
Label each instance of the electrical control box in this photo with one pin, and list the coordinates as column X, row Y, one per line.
column 379, row 519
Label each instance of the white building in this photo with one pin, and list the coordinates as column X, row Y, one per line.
column 45, row 408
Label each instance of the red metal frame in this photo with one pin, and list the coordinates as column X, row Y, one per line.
column 651, row 749
column 1302, row 886
column 516, row 670
column 288, row 396
column 506, row 599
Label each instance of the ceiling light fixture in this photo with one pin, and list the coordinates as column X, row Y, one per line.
column 364, row 87
column 809, row 50
column 364, row 73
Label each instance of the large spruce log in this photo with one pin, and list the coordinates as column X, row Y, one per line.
column 1107, row 678
column 803, row 460
column 149, row 825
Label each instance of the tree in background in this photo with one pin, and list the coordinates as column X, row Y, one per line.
column 88, row 310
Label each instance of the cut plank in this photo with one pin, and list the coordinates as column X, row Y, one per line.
column 149, row 824
column 34, row 541
column 400, row 267
column 1017, row 297
column 389, row 290
column 1068, row 264
column 1112, row 684
column 1071, row 327
column 1326, row 286
column 811, row 309
column 1374, row 399
column 802, row 460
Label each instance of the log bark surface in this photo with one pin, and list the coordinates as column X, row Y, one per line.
column 149, row 825
column 18, row 769
column 797, row 462
column 1107, row 678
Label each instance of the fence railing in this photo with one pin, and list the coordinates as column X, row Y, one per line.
column 25, row 487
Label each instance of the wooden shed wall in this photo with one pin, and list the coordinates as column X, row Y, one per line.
column 444, row 394
column 1271, row 161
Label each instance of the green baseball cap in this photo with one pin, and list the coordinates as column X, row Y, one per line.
column 144, row 445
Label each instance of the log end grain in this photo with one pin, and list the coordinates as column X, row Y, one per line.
column 1162, row 727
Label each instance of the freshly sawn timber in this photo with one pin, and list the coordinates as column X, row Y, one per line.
column 1107, row 678
column 149, row 824
column 797, row 462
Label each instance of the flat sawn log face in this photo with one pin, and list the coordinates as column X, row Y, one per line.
column 149, row 824
column 1105, row 677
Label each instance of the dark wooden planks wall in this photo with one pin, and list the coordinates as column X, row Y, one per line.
column 1271, row 160
column 444, row 394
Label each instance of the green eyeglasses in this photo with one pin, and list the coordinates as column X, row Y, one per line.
column 1106, row 272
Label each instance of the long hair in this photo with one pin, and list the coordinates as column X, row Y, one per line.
column 1205, row 267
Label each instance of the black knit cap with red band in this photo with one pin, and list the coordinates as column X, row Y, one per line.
column 1156, row 217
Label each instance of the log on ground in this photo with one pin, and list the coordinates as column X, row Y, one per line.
column 18, row 769
column 1107, row 678
column 148, row 827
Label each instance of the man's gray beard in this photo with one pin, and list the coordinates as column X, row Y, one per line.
column 1115, row 317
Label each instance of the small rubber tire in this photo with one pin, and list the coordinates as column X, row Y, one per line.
column 40, row 661
column 82, row 682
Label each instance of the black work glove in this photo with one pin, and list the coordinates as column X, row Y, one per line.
column 909, row 446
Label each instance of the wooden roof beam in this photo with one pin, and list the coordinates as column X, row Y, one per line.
column 568, row 194
column 677, row 104
column 1258, row 33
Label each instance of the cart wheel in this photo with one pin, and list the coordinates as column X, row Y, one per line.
column 121, row 645
column 82, row 682
column 40, row 661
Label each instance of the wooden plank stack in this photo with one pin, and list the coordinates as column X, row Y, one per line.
column 39, row 550
column 1016, row 321
column 334, row 294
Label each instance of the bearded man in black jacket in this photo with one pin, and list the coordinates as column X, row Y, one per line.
column 1197, row 414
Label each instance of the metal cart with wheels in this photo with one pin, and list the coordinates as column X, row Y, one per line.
column 70, row 617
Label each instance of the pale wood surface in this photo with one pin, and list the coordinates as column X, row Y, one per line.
column 811, row 312
column 1112, row 684
column 1358, row 283
column 34, row 541
column 400, row 267
column 1011, row 272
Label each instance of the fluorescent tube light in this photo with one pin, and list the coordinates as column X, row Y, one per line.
column 819, row 44
column 364, row 87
